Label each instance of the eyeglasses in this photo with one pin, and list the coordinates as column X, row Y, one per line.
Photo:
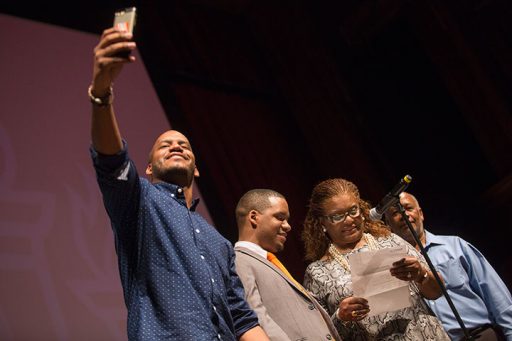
column 354, row 212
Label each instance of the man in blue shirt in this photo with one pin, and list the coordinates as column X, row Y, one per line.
column 478, row 293
column 178, row 272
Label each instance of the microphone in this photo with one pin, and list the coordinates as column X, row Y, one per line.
column 390, row 199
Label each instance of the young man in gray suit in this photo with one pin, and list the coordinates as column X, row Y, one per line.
column 285, row 310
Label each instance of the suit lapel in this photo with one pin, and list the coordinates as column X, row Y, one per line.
column 266, row 262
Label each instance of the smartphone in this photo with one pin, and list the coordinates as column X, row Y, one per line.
column 124, row 20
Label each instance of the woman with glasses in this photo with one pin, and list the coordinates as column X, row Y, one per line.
column 336, row 226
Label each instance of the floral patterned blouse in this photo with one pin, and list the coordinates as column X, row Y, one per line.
column 329, row 283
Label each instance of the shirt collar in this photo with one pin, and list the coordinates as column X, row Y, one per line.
column 253, row 247
column 177, row 193
column 432, row 240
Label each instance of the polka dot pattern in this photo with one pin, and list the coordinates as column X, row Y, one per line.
column 177, row 271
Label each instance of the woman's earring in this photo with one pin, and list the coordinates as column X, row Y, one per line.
column 324, row 229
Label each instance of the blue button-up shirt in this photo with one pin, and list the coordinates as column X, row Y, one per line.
column 177, row 271
column 475, row 288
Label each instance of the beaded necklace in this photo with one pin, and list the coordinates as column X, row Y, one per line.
column 342, row 259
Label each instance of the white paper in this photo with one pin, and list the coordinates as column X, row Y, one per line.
column 372, row 280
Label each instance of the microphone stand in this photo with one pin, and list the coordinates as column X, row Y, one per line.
column 467, row 335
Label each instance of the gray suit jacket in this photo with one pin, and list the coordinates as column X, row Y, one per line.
column 284, row 311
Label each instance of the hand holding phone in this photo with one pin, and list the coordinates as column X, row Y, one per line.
column 124, row 20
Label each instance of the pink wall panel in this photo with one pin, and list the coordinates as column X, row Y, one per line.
column 58, row 268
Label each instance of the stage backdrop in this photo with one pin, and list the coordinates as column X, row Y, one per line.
column 58, row 268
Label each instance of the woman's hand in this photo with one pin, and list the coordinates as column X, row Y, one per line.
column 353, row 309
column 409, row 269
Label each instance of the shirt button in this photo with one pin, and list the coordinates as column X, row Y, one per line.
column 328, row 337
column 202, row 257
column 218, row 336
column 214, row 308
column 197, row 231
column 213, row 281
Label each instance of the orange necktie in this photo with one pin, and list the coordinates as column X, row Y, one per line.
column 273, row 259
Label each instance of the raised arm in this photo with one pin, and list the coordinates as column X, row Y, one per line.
column 106, row 138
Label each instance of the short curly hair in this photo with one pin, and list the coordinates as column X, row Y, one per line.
column 315, row 240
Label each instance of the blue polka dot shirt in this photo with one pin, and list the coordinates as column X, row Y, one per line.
column 178, row 273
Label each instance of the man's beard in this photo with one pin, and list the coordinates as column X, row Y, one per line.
column 181, row 176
